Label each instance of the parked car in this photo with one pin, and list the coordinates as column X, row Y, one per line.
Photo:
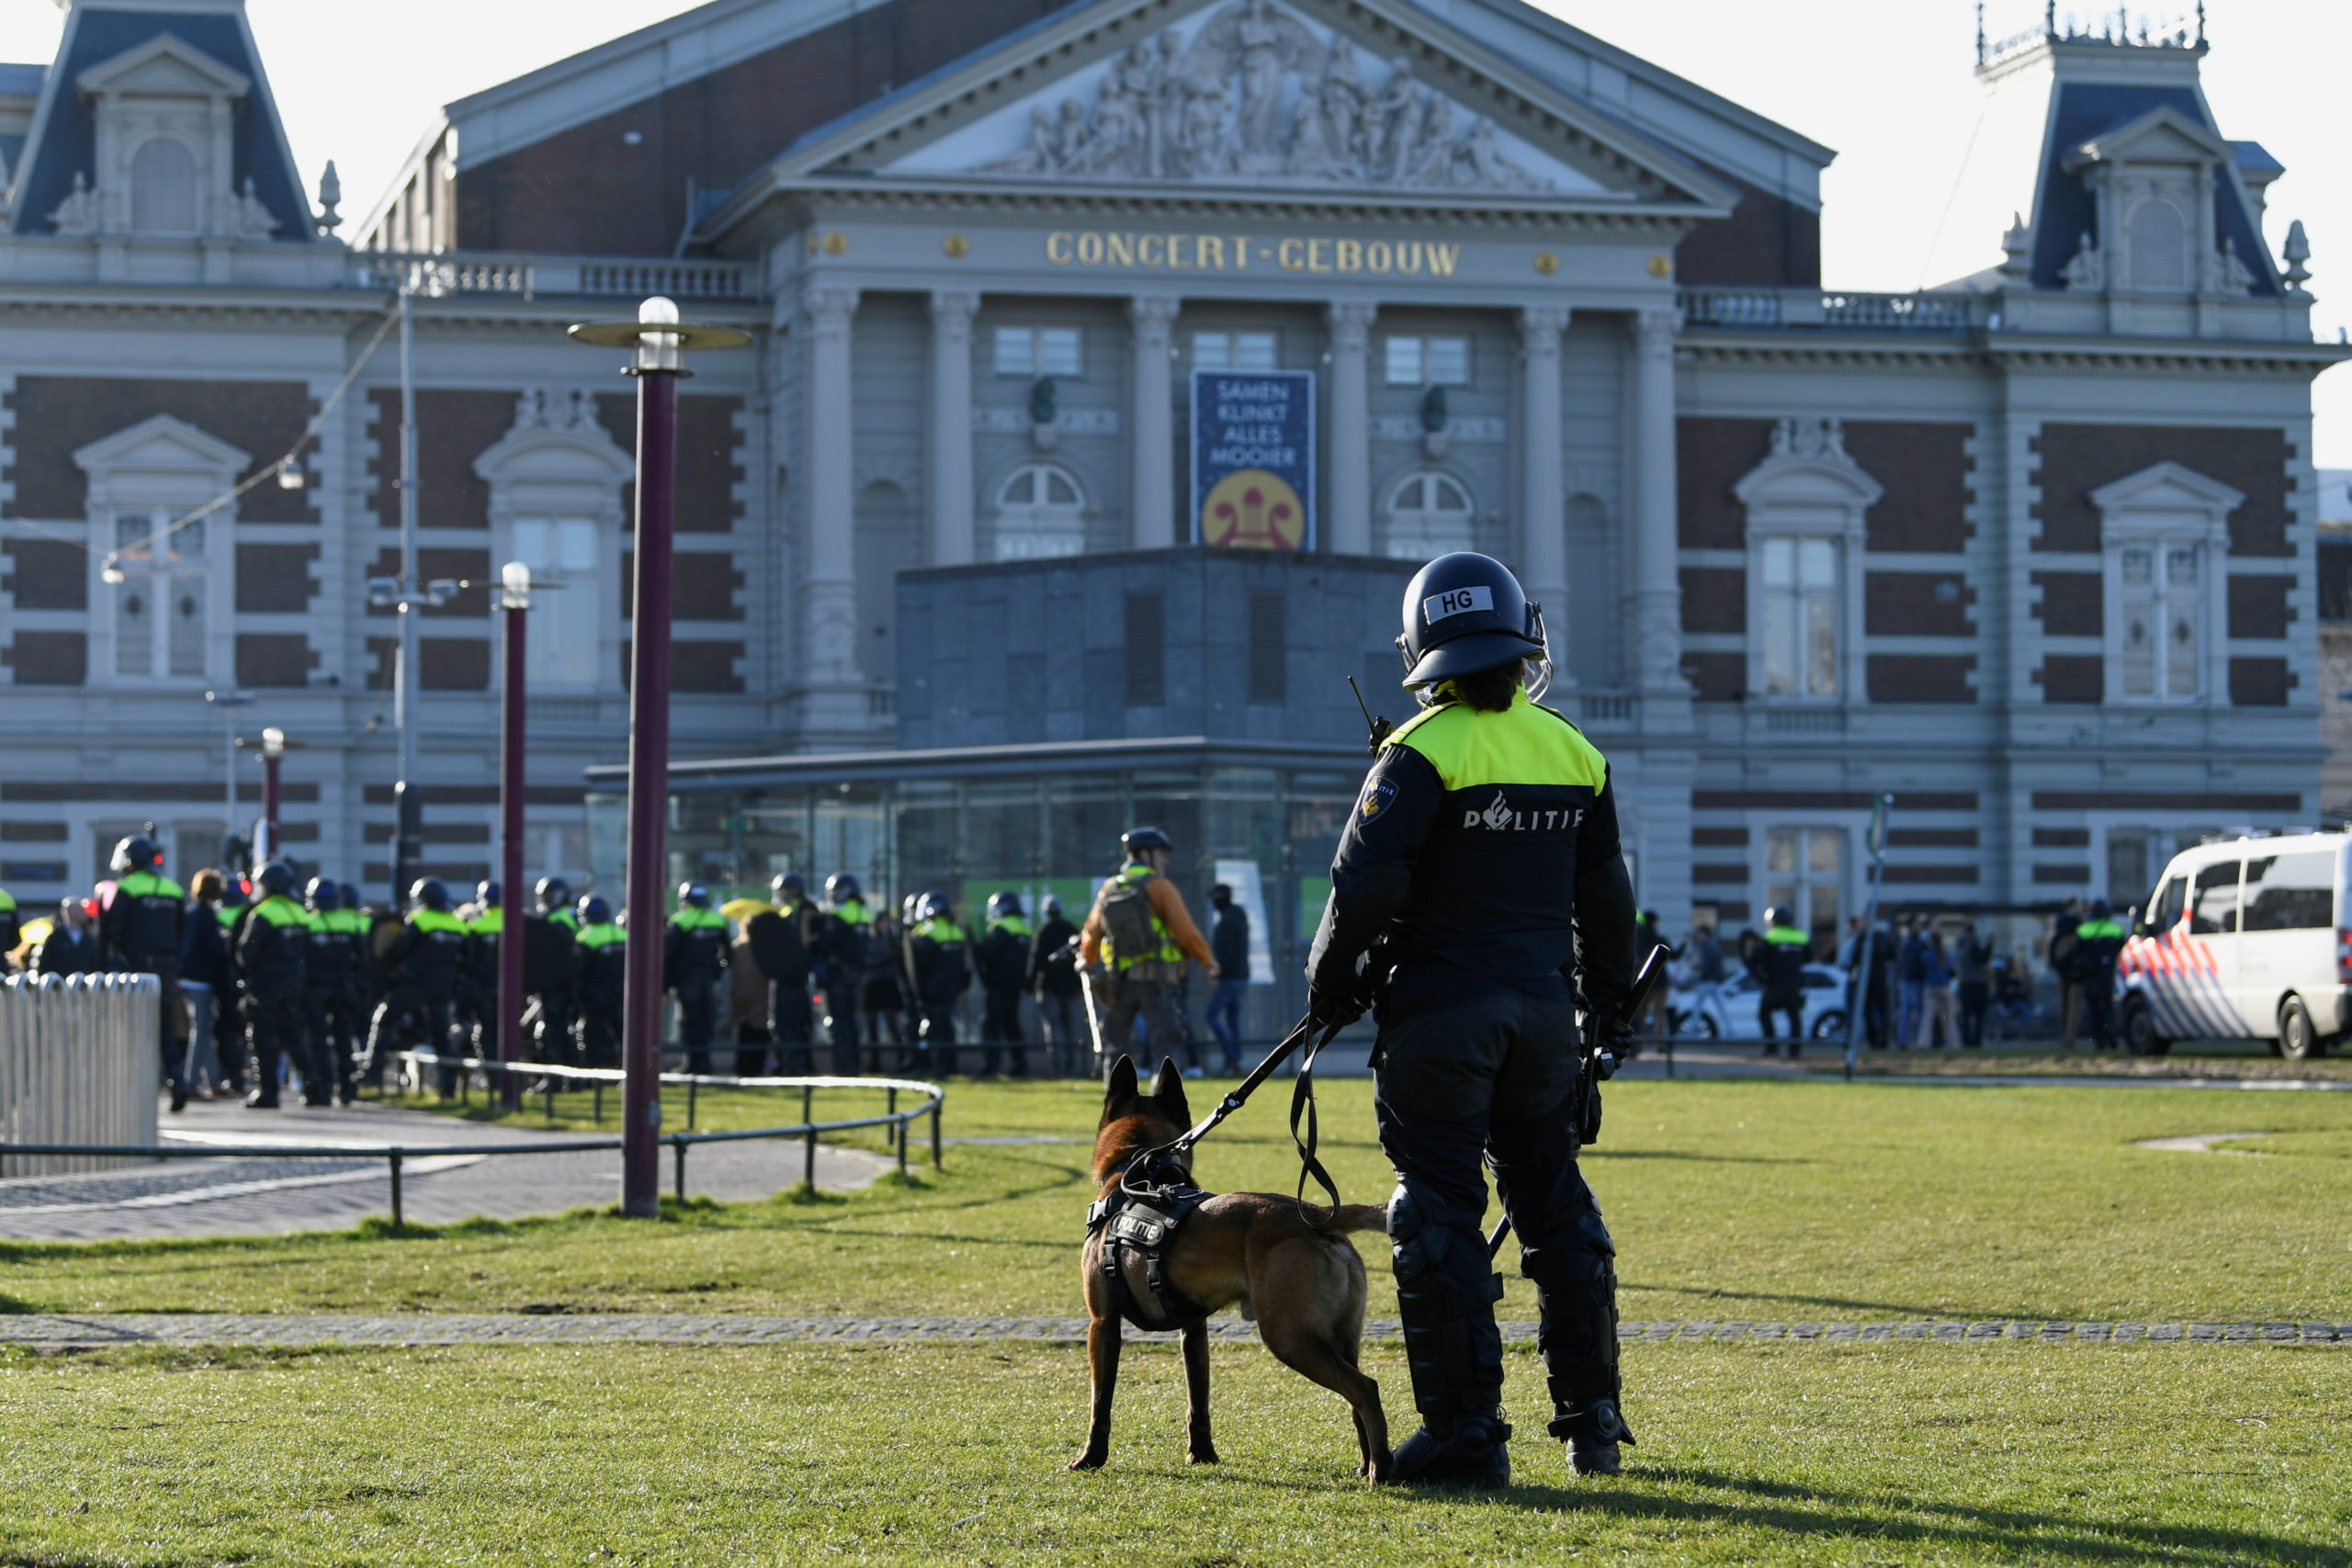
column 2244, row 938
column 1732, row 1011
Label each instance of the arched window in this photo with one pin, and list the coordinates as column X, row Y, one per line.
column 1040, row 513
column 2159, row 247
column 163, row 187
column 1429, row 515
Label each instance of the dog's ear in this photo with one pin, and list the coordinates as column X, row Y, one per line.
column 1167, row 1091
column 1119, row 1092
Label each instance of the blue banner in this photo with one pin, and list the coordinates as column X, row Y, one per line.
column 1254, row 458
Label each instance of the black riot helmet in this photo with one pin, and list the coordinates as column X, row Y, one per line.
column 275, row 880
column 351, row 899
column 429, row 893
column 1004, row 904
column 840, row 888
column 1051, row 908
column 1134, row 841
column 1465, row 612
column 136, row 853
column 323, row 895
column 790, row 888
column 934, row 905
column 694, row 895
column 594, row 912
column 486, row 894
column 554, row 892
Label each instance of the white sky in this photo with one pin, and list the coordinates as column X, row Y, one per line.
column 1888, row 85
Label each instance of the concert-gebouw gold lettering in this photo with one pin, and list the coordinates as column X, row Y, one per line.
column 1127, row 250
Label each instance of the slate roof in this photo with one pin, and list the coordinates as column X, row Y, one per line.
column 65, row 135
column 2088, row 109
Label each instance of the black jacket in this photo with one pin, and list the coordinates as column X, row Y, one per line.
column 1230, row 942
column 60, row 953
column 425, row 956
column 140, row 928
column 1053, row 966
column 204, row 947
column 1521, row 879
column 937, row 954
column 272, row 951
column 1002, row 956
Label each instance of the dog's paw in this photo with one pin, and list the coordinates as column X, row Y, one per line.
column 1375, row 1468
column 1202, row 1453
column 1091, row 1459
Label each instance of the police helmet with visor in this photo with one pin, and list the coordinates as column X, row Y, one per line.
column 323, row 895
column 429, row 893
column 1136, row 840
column 594, row 912
column 137, row 852
column 1463, row 613
column 840, row 887
column 275, row 879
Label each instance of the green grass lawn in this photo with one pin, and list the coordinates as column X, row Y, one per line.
column 1879, row 1454
column 2189, row 1059
column 1729, row 1199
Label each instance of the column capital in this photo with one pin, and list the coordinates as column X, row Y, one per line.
column 952, row 310
column 828, row 306
column 1654, row 331
column 1540, row 327
column 1153, row 315
column 1350, row 322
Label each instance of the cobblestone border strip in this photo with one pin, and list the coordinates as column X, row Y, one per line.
column 57, row 1331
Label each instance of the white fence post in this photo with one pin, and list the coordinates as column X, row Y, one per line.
column 79, row 1064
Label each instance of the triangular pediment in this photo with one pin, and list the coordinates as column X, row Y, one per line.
column 165, row 66
column 1369, row 97
column 161, row 445
column 2161, row 136
column 2167, row 487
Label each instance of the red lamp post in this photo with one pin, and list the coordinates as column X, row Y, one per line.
column 661, row 341
column 273, row 754
column 514, row 579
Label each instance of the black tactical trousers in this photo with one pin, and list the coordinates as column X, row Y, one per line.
column 334, row 1017
column 275, row 1027
column 938, row 1037
column 841, row 1022
column 697, row 1018
column 597, row 1032
column 1001, row 1023
column 1155, row 1004
column 1470, row 1071
column 546, row 1027
column 789, row 1023
column 425, row 1019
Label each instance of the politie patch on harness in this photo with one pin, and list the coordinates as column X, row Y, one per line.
column 1375, row 799
column 1457, row 602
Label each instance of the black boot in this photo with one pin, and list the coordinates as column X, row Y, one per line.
column 1445, row 1295
column 1593, row 1433
column 1469, row 1451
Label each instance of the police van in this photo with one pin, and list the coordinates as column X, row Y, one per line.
column 2244, row 938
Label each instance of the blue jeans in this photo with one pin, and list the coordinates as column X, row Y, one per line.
column 1224, row 1014
column 1914, row 1000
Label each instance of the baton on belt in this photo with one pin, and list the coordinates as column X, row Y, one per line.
column 1645, row 981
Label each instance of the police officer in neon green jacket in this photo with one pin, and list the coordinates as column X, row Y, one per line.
column 694, row 960
column 140, row 927
column 1483, row 858
column 271, row 959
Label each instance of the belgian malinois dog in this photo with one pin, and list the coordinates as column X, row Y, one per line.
column 1301, row 1280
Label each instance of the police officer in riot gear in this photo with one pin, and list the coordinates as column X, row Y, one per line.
column 271, row 959
column 1483, row 859
column 781, row 943
column 1780, row 971
column 693, row 957
column 600, row 982
column 331, row 988
column 422, row 968
column 140, row 927
column 844, row 953
column 1132, row 949
column 1002, row 955
column 548, row 1019
column 939, row 962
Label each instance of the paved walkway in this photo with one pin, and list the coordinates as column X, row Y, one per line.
column 66, row 1331
column 238, row 1196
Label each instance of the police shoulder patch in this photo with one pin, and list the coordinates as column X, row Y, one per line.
column 1375, row 799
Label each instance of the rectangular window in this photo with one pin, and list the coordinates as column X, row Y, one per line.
column 1428, row 361
column 1235, row 351
column 1147, row 662
column 1804, row 873
column 2162, row 656
column 1800, row 593
column 2214, row 912
column 2127, row 865
column 1039, row 351
column 162, row 606
column 1269, row 652
column 2291, row 892
column 560, row 647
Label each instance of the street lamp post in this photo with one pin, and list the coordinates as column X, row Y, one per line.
column 228, row 703
column 514, row 599
column 273, row 754
column 660, row 340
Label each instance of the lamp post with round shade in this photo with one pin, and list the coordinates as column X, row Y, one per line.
column 660, row 340
column 514, row 602
column 273, row 753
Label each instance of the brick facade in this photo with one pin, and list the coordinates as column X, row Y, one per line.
column 274, row 579
column 453, row 428
column 2076, row 459
column 1711, row 456
column 58, row 415
column 47, row 574
column 1925, row 471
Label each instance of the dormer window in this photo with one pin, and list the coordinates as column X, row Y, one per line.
column 163, row 187
column 2159, row 248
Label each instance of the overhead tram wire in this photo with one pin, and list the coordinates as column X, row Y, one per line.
column 109, row 563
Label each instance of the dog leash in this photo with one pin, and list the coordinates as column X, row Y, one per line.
column 1150, row 1165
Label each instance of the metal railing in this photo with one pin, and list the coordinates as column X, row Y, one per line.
column 1774, row 310
column 79, row 1060
column 440, row 274
column 395, row 1156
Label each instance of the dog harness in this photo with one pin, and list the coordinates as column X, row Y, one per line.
column 1138, row 1219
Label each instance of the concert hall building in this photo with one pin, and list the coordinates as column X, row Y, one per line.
column 1114, row 360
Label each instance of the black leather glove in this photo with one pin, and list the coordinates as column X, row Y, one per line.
column 1334, row 994
column 1610, row 1047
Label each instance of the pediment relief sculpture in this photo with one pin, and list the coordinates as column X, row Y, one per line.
column 1256, row 95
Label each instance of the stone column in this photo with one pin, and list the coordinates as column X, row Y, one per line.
column 1543, row 497
column 829, row 593
column 1658, row 594
column 1347, row 507
column 950, row 428
column 1152, row 514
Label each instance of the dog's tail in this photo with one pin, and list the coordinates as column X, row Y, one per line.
column 1352, row 1217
